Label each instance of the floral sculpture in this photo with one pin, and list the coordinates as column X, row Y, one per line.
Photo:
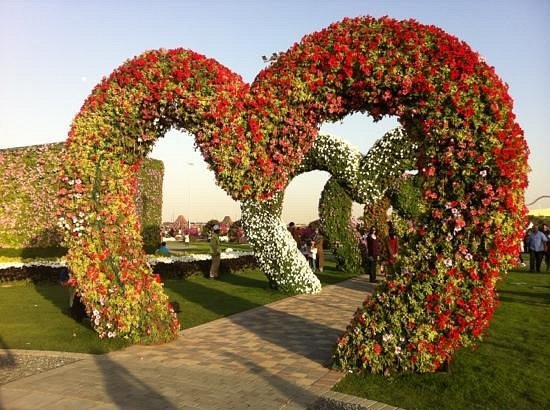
column 363, row 179
column 472, row 162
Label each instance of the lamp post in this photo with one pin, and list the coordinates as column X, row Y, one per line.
column 190, row 164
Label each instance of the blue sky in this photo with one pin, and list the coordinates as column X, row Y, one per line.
column 52, row 53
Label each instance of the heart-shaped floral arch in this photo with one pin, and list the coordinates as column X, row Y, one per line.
column 472, row 162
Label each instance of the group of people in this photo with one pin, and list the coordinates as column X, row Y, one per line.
column 310, row 242
column 371, row 251
column 537, row 243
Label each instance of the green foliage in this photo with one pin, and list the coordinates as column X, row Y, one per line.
column 334, row 212
column 149, row 201
column 26, row 253
column 207, row 228
column 407, row 200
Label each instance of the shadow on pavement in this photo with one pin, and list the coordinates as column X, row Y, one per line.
column 299, row 395
column 296, row 334
column 126, row 391
column 6, row 360
column 312, row 340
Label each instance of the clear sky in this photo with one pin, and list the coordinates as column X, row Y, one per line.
column 52, row 53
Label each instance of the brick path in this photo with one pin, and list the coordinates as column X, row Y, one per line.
column 270, row 357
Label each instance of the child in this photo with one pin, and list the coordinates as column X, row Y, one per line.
column 163, row 250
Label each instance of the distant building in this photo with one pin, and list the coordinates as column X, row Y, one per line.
column 227, row 221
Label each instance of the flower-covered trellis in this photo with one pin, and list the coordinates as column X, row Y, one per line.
column 472, row 162
column 275, row 248
column 116, row 127
column 363, row 179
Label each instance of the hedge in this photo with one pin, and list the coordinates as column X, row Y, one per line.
column 28, row 188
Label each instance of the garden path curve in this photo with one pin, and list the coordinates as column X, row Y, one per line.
column 270, row 357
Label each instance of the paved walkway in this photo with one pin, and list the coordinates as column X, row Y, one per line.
column 270, row 357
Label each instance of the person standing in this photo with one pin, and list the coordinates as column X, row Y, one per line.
column 546, row 231
column 319, row 239
column 393, row 250
column 373, row 250
column 537, row 248
column 312, row 252
column 215, row 251
column 295, row 232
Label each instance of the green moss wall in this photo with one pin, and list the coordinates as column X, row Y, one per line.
column 28, row 191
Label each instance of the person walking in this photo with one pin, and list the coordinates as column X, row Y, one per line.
column 215, row 251
column 373, row 251
column 537, row 248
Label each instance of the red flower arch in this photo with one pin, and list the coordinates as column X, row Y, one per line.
column 473, row 163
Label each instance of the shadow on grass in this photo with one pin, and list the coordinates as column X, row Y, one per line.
column 212, row 299
column 7, row 359
column 532, row 298
column 246, row 281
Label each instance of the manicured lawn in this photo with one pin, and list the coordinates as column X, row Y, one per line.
column 202, row 246
column 509, row 370
column 32, row 315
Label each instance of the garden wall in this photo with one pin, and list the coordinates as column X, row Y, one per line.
column 28, row 191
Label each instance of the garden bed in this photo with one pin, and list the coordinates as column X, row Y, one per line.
column 167, row 268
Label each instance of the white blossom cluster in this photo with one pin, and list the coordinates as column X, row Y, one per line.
column 388, row 159
column 227, row 254
column 365, row 178
column 153, row 260
column 76, row 225
column 276, row 250
column 334, row 155
column 45, row 263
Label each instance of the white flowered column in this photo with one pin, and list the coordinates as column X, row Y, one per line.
column 275, row 249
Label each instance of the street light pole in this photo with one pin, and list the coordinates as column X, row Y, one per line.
column 190, row 164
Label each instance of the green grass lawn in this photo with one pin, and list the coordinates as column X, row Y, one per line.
column 32, row 315
column 202, row 246
column 509, row 370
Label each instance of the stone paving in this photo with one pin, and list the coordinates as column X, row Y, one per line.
column 270, row 357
